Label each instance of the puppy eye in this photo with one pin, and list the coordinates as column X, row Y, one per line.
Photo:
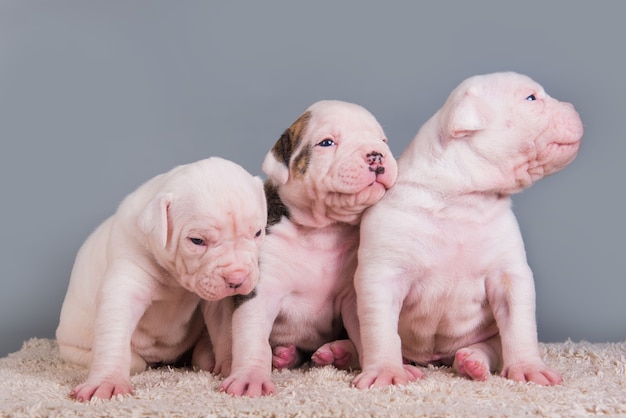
column 531, row 98
column 258, row 233
column 327, row 143
column 197, row 241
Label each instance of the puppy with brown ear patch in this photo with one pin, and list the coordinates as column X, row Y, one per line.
column 323, row 172
column 189, row 235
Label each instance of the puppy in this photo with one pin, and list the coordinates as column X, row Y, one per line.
column 188, row 235
column 442, row 273
column 331, row 164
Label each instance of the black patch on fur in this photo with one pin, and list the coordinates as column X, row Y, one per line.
column 276, row 209
column 238, row 300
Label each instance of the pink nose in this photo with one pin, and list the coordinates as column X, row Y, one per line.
column 236, row 277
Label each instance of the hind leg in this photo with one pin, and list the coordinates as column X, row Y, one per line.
column 137, row 363
column 82, row 357
column 75, row 355
column 203, row 356
column 479, row 360
column 341, row 354
column 286, row 356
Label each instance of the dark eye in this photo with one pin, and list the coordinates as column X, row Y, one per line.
column 327, row 143
column 197, row 241
column 531, row 98
column 258, row 233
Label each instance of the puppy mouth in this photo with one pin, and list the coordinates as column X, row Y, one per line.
column 242, row 288
column 380, row 178
column 226, row 291
column 375, row 182
column 212, row 292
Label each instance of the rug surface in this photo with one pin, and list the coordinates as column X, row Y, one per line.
column 35, row 382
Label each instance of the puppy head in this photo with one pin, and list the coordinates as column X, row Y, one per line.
column 506, row 132
column 206, row 227
column 331, row 164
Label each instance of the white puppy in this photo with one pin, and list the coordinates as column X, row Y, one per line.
column 442, row 275
column 331, row 164
column 188, row 235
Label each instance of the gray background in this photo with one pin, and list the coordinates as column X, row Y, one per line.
column 97, row 97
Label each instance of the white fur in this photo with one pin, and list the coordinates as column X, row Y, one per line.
column 308, row 260
column 441, row 258
column 137, row 282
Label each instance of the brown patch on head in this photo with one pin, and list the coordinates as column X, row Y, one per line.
column 301, row 162
column 276, row 209
column 289, row 140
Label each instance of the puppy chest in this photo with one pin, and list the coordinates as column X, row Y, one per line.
column 451, row 251
column 314, row 274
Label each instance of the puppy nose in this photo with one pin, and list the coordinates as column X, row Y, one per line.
column 375, row 162
column 236, row 278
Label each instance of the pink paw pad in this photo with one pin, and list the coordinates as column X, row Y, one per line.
column 284, row 357
column 338, row 353
column 323, row 357
column 470, row 365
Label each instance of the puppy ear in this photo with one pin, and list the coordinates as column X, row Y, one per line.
column 263, row 198
column 153, row 220
column 276, row 163
column 467, row 116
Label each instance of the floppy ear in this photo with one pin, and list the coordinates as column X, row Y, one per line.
column 467, row 116
column 261, row 187
column 276, row 163
column 153, row 220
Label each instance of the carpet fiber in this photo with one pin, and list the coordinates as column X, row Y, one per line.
column 35, row 382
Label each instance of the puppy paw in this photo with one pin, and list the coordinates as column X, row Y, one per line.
column 284, row 357
column 471, row 364
column 248, row 383
column 382, row 377
column 341, row 354
column 103, row 389
column 536, row 372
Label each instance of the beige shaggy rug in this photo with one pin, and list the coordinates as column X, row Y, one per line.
column 34, row 382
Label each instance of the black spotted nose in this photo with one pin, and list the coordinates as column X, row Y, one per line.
column 375, row 161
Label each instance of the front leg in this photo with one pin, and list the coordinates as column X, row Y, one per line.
column 213, row 352
column 125, row 295
column 380, row 292
column 252, row 324
column 512, row 297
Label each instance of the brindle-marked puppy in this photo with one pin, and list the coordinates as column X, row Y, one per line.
column 323, row 172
